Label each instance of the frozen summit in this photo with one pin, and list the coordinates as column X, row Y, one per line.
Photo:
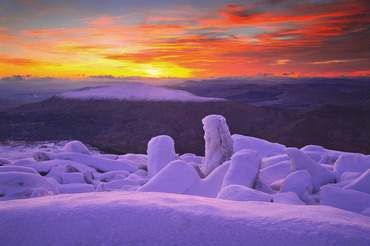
column 135, row 92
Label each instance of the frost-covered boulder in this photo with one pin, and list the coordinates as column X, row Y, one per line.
column 118, row 184
column 300, row 161
column 349, row 176
column 176, row 177
column 43, row 156
column 20, row 185
column 161, row 151
column 287, row 198
column 362, row 183
column 262, row 147
column 12, row 168
column 346, row 199
column 4, row 161
column 219, row 144
column 99, row 164
column 112, row 175
column 189, row 157
column 75, row 188
column 71, row 178
column 244, row 169
column 243, row 193
column 275, row 172
column 77, row 147
column 351, row 162
column 298, row 182
column 209, row 186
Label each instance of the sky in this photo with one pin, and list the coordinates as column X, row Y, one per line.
column 193, row 38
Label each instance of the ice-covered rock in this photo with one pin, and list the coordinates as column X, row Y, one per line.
column 262, row 147
column 346, row 199
column 118, row 184
column 300, row 161
column 275, row 172
column 328, row 159
column 100, row 164
column 351, row 162
column 189, row 157
column 210, row 186
column 219, row 144
column 161, row 151
column 243, row 193
column 17, row 169
column 349, row 176
column 77, row 147
column 298, row 182
column 71, row 178
column 139, row 161
column 362, row 183
column 287, row 198
column 4, row 161
column 75, row 188
column 20, row 185
column 112, row 175
column 272, row 160
column 244, row 169
column 276, row 185
column 43, row 156
column 176, row 177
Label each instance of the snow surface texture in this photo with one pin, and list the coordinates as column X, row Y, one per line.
column 135, row 92
column 240, row 193
column 126, row 218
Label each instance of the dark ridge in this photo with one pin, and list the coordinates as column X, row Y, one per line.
column 127, row 126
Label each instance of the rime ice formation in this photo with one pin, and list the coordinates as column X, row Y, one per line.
column 244, row 169
column 243, row 193
column 219, row 144
column 161, row 151
column 298, row 182
column 351, row 162
column 265, row 148
column 301, row 161
column 17, row 185
column 346, row 199
column 361, row 183
column 135, row 92
column 176, row 177
column 77, row 147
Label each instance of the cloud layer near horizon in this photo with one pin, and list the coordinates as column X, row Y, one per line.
column 184, row 38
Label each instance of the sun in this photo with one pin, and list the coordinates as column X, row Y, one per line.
column 153, row 72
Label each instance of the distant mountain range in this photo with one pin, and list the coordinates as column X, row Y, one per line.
column 125, row 126
column 299, row 94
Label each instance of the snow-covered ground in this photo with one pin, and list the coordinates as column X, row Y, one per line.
column 135, row 92
column 244, row 191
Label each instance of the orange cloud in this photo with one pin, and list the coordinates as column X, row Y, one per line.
column 229, row 40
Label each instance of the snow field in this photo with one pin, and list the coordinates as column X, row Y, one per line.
column 244, row 191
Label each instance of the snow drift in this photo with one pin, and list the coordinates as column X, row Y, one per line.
column 126, row 218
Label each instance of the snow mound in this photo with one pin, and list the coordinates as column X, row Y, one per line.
column 126, row 218
column 135, row 92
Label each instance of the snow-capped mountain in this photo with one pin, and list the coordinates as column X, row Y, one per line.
column 135, row 92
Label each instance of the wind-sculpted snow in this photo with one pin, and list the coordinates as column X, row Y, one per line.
column 301, row 194
column 146, row 218
column 135, row 92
